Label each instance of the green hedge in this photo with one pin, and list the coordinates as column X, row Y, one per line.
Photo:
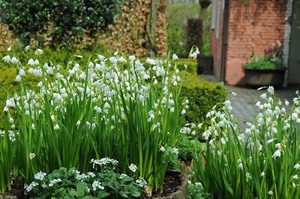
column 203, row 95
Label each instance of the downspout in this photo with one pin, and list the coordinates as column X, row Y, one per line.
column 224, row 40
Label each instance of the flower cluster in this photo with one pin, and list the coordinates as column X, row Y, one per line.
column 113, row 107
column 272, row 58
column 263, row 156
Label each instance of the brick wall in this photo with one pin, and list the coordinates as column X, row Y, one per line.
column 257, row 26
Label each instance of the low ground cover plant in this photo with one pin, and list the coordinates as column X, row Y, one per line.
column 110, row 107
column 261, row 161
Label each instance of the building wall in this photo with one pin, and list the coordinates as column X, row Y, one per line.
column 216, row 35
column 254, row 27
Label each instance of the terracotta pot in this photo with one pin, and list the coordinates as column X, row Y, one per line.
column 258, row 78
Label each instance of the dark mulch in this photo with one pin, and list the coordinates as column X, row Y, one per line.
column 172, row 183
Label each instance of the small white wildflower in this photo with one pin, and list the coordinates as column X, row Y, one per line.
column 175, row 151
column 297, row 166
column 122, row 60
column 162, row 149
column 123, row 175
column 174, row 57
column 6, row 59
column 9, row 49
column 14, row 60
column 53, row 182
column 295, row 177
column 56, row 127
column 30, row 187
column 27, row 48
column 276, row 154
column 133, row 167
column 18, row 78
column 31, row 63
column 21, row 72
column 270, row 193
column 97, row 185
column 263, row 174
column 271, row 90
column 39, row 176
column 263, row 96
column 286, row 102
column 141, row 182
column 32, row 156
column 38, row 51
column 183, row 112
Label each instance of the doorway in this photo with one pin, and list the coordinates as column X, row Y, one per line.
column 294, row 61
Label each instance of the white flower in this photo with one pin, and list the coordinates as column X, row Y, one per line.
column 31, row 62
column 38, row 51
column 295, row 177
column 133, row 167
column 175, row 151
column 56, row 127
column 101, row 57
column 6, row 59
column 162, row 149
column 27, row 48
column 21, row 72
column 287, row 102
column 18, row 78
column 271, row 90
column 183, row 112
column 53, row 182
column 9, row 49
column 97, row 185
column 276, row 154
column 122, row 60
column 29, row 187
column 262, row 174
column 14, row 60
column 263, row 96
column 39, row 176
column 174, row 57
column 32, row 156
column 270, row 193
column 297, row 166
column 141, row 182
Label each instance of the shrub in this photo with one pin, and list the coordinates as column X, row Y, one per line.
column 65, row 22
column 203, row 96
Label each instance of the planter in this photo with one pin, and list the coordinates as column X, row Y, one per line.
column 205, row 64
column 258, row 78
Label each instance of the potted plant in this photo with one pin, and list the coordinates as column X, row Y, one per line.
column 266, row 70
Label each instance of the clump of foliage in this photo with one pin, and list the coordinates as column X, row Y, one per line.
column 102, row 182
column 272, row 59
column 261, row 161
column 63, row 22
column 203, row 96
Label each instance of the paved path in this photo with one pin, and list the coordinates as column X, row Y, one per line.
column 243, row 103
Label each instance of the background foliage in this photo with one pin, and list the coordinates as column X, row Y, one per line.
column 61, row 22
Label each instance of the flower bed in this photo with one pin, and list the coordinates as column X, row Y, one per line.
column 112, row 107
